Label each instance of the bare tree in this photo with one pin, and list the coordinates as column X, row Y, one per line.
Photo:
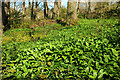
column 23, row 7
column 56, row 10
column 89, row 7
column 45, row 9
column 32, row 15
column 8, row 8
column 71, row 11
column 29, row 4
column 0, row 18
column 14, row 5
column 118, row 7
column 36, row 4
column 78, row 6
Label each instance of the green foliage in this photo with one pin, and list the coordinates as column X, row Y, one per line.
column 15, row 19
column 83, row 14
column 63, row 12
column 72, row 52
column 25, row 34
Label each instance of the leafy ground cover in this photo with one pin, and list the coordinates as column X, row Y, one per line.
column 28, row 34
column 90, row 50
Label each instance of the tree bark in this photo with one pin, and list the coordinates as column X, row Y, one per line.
column 56, row 10
column 29, row 4
column 8, row 8
column 36, row 6
column 5, row 15
column 1, row 32
column 71, row 11
column 78, row 7
column 14, row 5
column 45, row 9
column 89, row 9
column 119, row 11
column 32, row 15
column 23, row 7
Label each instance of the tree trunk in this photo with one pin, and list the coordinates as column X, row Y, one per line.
column 5, row 16
column 78, row 7
column 1, row 31
column 119, row 12
column 23, row 7
column 45, row 9
column 14, row 5
column 57, row 6
column 8, row 8
column 32, row 15
column 89, row 9
column 36, row 6
column 29, row 4
column 71, row 12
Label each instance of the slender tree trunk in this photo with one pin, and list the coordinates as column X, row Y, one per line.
column 1, row 32
column 8, row 8
column 23, row 7
column 78, row 7
column 32, row 15
column 56, row 10
column 119, row 12
column 29, row 4
column 89, row 9
column 14, row 5
column 0, row 14
column 45, row 9
column 36, row 6
column 71, row 11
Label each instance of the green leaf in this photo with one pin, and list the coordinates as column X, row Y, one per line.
column 81, row 52
column 94, row 73
column 87, row 44
column 101, row 73
column 87, row 69
column 115, row 52
column 31, row 57
column 106, row 58
column 64, row 57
